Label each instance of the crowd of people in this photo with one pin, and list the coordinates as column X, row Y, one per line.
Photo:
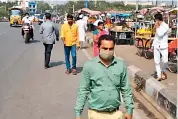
column 101, row 84
column 104, row 77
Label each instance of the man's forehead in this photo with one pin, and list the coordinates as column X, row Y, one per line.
column 107, row 43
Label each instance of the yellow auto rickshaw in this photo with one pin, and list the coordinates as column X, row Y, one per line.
column 15, row 16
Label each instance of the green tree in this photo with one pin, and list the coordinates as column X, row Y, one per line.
column 42, row 6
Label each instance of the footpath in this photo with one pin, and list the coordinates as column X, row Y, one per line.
column 162, row 95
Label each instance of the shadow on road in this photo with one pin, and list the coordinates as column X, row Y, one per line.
column 55, row 64
column 154, row 75
column 79, row 69
column 34, row 41
column 16, row 26
column 84, row 47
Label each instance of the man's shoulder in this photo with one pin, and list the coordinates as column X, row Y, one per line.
column 75, row 25
column 120, row 62
column 165, row 25
column 65, row 24
column 90, row 62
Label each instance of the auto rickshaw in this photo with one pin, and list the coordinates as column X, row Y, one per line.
column 15, row 16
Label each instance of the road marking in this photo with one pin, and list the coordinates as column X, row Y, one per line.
column 86, row 53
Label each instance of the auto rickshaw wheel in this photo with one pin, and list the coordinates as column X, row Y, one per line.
column 172, row 68
column 140, row 52
column 10, row 25
column 148, row 54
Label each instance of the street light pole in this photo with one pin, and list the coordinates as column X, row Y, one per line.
column 73, row 9
column 136, row 18
column 5, row 7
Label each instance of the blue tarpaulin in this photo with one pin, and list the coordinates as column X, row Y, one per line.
column 121, row 15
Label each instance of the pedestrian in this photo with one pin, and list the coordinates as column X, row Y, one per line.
column 96, row 34
column 160, row 46
column 102, row 80
column 50, row 34
column 70, row 37
column 82, row 27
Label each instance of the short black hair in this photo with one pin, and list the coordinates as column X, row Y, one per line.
column 27, row 13
column 105, row 37
column 158, row 16
column 100, row 22
column 48, row 16
column 70, row 16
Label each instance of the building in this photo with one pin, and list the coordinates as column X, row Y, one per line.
column 23, row 4
column 32, row 7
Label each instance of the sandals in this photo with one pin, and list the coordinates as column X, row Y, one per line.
column 164, row 76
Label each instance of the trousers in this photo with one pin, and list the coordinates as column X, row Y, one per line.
column 73, row 50
column 158, row 55
column 105, row 115
column 48, row 49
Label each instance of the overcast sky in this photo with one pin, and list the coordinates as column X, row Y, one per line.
column 64, row 1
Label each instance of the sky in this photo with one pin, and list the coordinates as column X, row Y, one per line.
column 64, row 1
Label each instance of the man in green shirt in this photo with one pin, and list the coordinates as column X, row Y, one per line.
column 103, row 79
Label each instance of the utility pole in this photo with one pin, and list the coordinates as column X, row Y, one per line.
column 86, row 3
column 5, row 7
column 156, row 2
column 136, row 17
column 73, row 9
column 95, row 3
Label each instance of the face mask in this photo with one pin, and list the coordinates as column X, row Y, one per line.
column 106, row 54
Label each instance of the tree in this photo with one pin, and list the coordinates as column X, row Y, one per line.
column 42, row 6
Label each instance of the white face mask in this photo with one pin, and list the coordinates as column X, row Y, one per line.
column 106, row 55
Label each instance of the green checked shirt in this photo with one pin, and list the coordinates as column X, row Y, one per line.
column 101, row 86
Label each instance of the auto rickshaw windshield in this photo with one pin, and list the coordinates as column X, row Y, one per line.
column 15, row 12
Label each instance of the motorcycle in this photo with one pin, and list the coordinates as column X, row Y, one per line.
column 27, row 36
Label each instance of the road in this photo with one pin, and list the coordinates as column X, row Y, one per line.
column 28, row 91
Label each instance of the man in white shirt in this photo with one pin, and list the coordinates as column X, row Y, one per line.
column 27, row 19
column 82, row 27
column 160, row 46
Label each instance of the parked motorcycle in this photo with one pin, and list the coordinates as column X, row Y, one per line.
column 27, row 36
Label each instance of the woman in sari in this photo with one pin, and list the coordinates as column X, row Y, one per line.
column 96, row 34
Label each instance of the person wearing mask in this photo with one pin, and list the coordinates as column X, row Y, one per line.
column 50, row 34
column 160, row 46
column 70, row 38
column 103, row 79
column 28, row 20
column 96, row 34
column 82, row 27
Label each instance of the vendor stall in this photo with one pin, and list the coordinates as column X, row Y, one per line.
column 172, row 46
column 145, row 36
column 88, row 11
column 121, row 30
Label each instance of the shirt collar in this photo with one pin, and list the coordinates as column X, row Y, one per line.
column 98, row 60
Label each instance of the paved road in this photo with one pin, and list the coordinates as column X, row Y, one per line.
column 28, row 91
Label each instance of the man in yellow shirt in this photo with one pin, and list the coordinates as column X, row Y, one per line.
column 69, row 35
